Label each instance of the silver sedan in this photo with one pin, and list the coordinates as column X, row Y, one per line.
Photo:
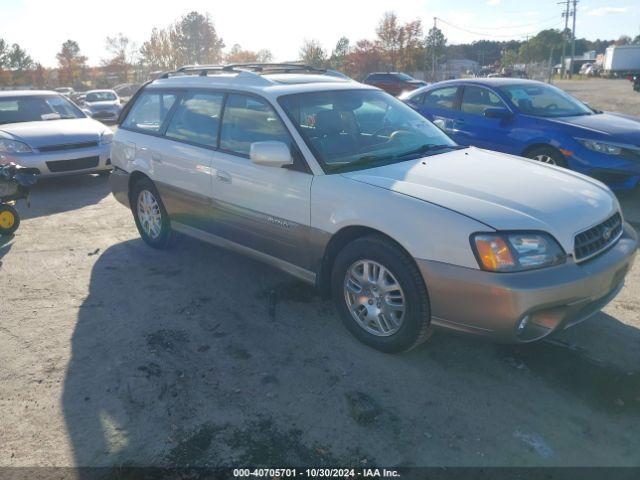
column 45, row 132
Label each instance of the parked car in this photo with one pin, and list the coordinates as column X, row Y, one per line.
column 636, row 82
column 125, row 91
column 104, row 105
column 66, row 91
column 347, row 188
column 394, row 83
column 538, row 121
column 45, row 133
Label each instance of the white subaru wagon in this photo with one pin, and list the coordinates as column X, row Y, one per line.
column 347, row 188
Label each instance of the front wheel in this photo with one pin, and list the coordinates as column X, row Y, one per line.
column 380, row 295
column 548, row 155
column 150, row 215
column 9, row 219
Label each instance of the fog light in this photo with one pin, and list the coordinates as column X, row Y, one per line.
column 522, row 325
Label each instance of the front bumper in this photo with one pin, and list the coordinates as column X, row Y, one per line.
column 551, row 299
column 66, row 162
column 105, row 116
column 618, row 172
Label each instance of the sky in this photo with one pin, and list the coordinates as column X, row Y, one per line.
column 41, row 26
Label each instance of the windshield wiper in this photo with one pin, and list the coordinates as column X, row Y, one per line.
column 428, row 148
column 364, row 160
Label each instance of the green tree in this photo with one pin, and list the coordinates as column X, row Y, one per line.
column 537, row 49
column 339, row 54
column 194, row 40
column 72, row 64
column 435, row 49
column 312, row 53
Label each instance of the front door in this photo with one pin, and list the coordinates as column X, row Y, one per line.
column 263, row 208
column 473, row 128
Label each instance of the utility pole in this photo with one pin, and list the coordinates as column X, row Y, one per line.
column 565, row 14
column 433, row 50
column 573, row 37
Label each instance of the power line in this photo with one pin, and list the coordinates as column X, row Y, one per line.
column 541, row 21
column 483, row 34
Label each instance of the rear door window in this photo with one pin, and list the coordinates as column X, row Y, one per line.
column 197, row 119
column 150, row 111
column 443, row 98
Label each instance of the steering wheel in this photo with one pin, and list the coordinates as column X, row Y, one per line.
column 551, row 106
column 386, row 128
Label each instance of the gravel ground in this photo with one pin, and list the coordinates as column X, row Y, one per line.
column 114, row 354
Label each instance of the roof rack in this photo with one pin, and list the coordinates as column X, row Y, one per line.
column 254, row 68
column 277, row 67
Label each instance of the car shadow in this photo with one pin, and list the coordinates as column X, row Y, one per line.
column 199, row 357
column 5, row 245
column 56, row 195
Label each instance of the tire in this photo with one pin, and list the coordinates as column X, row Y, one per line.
column 407, row 332
column 9, row 219
column 155, row 229
column 548, row 155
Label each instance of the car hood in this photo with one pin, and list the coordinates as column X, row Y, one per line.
column 502, row 191
column 620, row 128
column 53, row 132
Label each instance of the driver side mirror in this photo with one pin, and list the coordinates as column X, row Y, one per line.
column 270, row 154
column 496, row 113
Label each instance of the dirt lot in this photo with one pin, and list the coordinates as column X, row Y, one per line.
column 609, row 95
column 112, row 354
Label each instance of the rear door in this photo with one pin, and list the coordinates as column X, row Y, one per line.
column 473, row 128
column 440, row 106
column 263, row 208
column 184, row 160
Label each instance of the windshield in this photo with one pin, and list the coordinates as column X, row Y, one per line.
column 36, row 108
column 403, row 76
column 357, row 129
column 544, row 101
column 100, row 97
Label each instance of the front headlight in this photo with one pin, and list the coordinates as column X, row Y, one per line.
column 13, row 146
column 106, row 138
column 600, row 147
column 516, row 251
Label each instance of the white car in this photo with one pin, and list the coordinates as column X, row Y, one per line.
column 347, row 188
column 46, row 133
column 103, row 105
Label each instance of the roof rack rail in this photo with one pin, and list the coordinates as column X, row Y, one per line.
column 277, row 67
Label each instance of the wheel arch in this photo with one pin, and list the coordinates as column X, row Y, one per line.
column 533, row 146
column 134, row 177
column 337, row 242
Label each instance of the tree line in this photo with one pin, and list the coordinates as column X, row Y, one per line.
column 193, row 39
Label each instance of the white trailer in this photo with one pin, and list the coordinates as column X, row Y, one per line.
column 622, row 60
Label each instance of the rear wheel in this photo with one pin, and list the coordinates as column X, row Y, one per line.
column 380, row 295
column 150, row 215
column 548, row 155
column 9, row 219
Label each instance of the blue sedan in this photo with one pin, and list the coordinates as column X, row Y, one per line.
column 538, row 121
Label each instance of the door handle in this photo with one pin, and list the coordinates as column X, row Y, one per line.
column 223, row 176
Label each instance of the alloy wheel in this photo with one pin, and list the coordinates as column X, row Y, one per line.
column 149, row 214
column 375, row 298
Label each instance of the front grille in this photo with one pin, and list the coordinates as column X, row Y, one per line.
column 597, row 239
column 75, row 164
column 67, row 146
